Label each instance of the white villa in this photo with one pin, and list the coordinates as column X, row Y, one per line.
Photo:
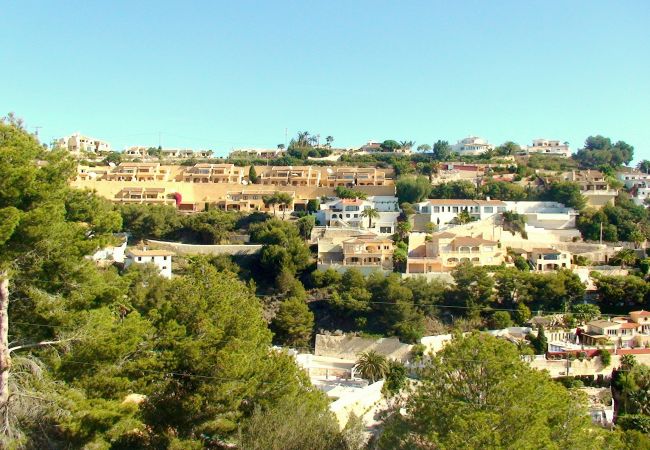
column 472, row 145
column 548, row 147
column 162, row 259
column 77, row 143
column 349, row 213
column 442, row 212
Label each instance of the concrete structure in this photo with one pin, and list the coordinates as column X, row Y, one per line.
column 179, row 248
column 548, row 147
column 349, row 213
column 631, row 331
column 443, row 212
column 112, row 253
column 162, row 259
column 367, row 252
column 471, row 145
column 77, row 143
column 442, row 252
column 548, row 215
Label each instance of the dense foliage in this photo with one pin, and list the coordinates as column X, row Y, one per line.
column 477, row 393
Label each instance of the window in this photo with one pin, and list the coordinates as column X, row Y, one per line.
column 435, row 209
column 164, row 267
column 385, row 230
column 488, row 209
column 139, row 258
column 455, row 209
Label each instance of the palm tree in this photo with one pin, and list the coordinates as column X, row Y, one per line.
column 329, row 140
column 628, row 362
column 370, row 213
column 462, row 218
column 626, row 257
column 280, row 146
column 303, row 139
column 372, row 366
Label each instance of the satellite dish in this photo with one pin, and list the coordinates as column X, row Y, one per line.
column 244, row 182
column 111, row 164
column 329, row 170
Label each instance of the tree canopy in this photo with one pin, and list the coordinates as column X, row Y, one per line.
column 477, row 393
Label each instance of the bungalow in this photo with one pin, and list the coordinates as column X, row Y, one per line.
column 162, row 259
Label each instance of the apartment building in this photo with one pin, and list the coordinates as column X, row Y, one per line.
column 548, row 147
column 153, row 195
column 349, row 213
column 289, row 176
column 355, row 176
column 443, row 212
column 630, row 331
column 250, row 200
column 77, row 143
column 214, row 173
column 132, row 171
column 442, row 252
column 472, row 145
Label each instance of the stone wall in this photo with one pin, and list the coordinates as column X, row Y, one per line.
column 349, row 347
column 192, row 249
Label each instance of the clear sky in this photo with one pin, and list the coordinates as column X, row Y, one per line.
column 220, row 74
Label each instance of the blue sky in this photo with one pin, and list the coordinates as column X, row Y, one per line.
column 233, row 74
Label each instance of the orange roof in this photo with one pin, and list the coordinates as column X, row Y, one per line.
column 641, row 313
column 629, row 326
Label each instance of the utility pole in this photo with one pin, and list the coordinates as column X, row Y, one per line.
column 601, row 233
column 285, row 139
column 36, row 130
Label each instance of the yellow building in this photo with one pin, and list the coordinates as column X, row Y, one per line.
column 214, row 173
column 442, row 252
